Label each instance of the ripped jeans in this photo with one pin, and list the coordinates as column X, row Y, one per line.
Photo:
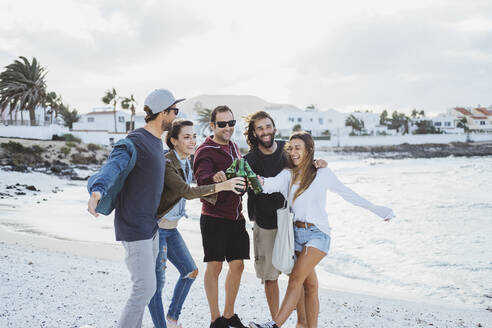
column 172, row 247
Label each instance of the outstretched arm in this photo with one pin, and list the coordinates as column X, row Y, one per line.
column 100, row 182
column 354, row 198
column 279, row 183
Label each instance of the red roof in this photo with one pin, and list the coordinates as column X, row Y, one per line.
column 462, row 110
column 479, row 117
column 483, row 111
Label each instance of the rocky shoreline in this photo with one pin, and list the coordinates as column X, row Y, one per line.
column 402, row 151
column 61, row 158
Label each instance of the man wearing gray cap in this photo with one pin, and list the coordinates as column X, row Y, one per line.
column 131, row 181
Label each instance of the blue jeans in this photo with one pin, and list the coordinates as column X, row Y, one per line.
column 172, row 247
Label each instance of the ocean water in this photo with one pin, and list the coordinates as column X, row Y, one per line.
column 437, row 249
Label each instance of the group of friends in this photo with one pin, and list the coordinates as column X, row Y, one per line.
column 149, row 187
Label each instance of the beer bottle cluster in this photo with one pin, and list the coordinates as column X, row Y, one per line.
column 241, row 168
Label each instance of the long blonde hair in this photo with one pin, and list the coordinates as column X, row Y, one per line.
column 305, row 172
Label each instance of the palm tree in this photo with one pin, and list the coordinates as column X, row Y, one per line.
column 111, row 98
column 383, row 118
column 399, row 120
column 355, row 123
column 203, row 118
column 463, row 123
column 54, row 101
column 69, row 116
column 22, row 86
column 129, row 103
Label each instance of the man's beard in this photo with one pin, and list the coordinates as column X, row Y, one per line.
column 270, row 143
column 166, row 126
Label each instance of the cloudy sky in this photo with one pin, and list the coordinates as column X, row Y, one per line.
column 367, row 55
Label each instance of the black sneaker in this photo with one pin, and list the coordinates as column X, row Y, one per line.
column 220, row 322
column 235, row 322
column 268, row 324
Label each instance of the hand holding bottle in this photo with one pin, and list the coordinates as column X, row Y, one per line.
column 233, row 185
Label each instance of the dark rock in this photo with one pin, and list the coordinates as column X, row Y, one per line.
column 81, row 167
column 77, row 178
column 59, row 163
column 20, row 168
column 32, row 188
column 20, row 193
column 56, row 169
column 421, row 151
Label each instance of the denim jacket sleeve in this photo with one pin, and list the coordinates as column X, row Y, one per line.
column 118, row 161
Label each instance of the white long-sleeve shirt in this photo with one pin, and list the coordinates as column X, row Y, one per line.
column 310, row 205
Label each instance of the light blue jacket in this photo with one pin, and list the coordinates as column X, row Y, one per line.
column 111, row 178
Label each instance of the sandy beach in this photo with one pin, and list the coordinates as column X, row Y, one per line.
column 53, row 280
column 58, row 283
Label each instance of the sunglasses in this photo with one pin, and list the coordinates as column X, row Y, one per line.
column 222, row 124
column 176, row 110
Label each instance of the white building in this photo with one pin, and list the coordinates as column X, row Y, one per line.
column 371, row 123
column 478, row 119
column 103, row 119
column 481, row 119
column 317, row 123
column 446, row 123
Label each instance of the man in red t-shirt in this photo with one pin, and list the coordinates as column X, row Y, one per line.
column 222, row 224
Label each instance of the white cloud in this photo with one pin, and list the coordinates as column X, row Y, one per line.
column 398, row 54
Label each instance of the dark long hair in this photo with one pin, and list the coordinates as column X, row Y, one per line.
column 249, row 132
column 305, row 172
column 176, row 127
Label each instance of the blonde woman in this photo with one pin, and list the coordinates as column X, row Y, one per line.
column 306, row 187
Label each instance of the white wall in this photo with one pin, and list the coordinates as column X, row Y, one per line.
column 98, row 137
column 32, row 132
column 47, row 132
column 102, row 121
column 396, row 140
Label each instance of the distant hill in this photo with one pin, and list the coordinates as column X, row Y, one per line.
column 241, row 105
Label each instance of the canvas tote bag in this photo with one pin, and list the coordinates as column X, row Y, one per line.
column 283, row 257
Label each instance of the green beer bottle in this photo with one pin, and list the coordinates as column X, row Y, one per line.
column 253, row 179
column 231, row 170
column 242, row 174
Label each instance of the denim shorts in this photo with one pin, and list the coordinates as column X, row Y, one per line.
column 311, row 237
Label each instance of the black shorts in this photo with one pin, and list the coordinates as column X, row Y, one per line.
column 224, row 239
